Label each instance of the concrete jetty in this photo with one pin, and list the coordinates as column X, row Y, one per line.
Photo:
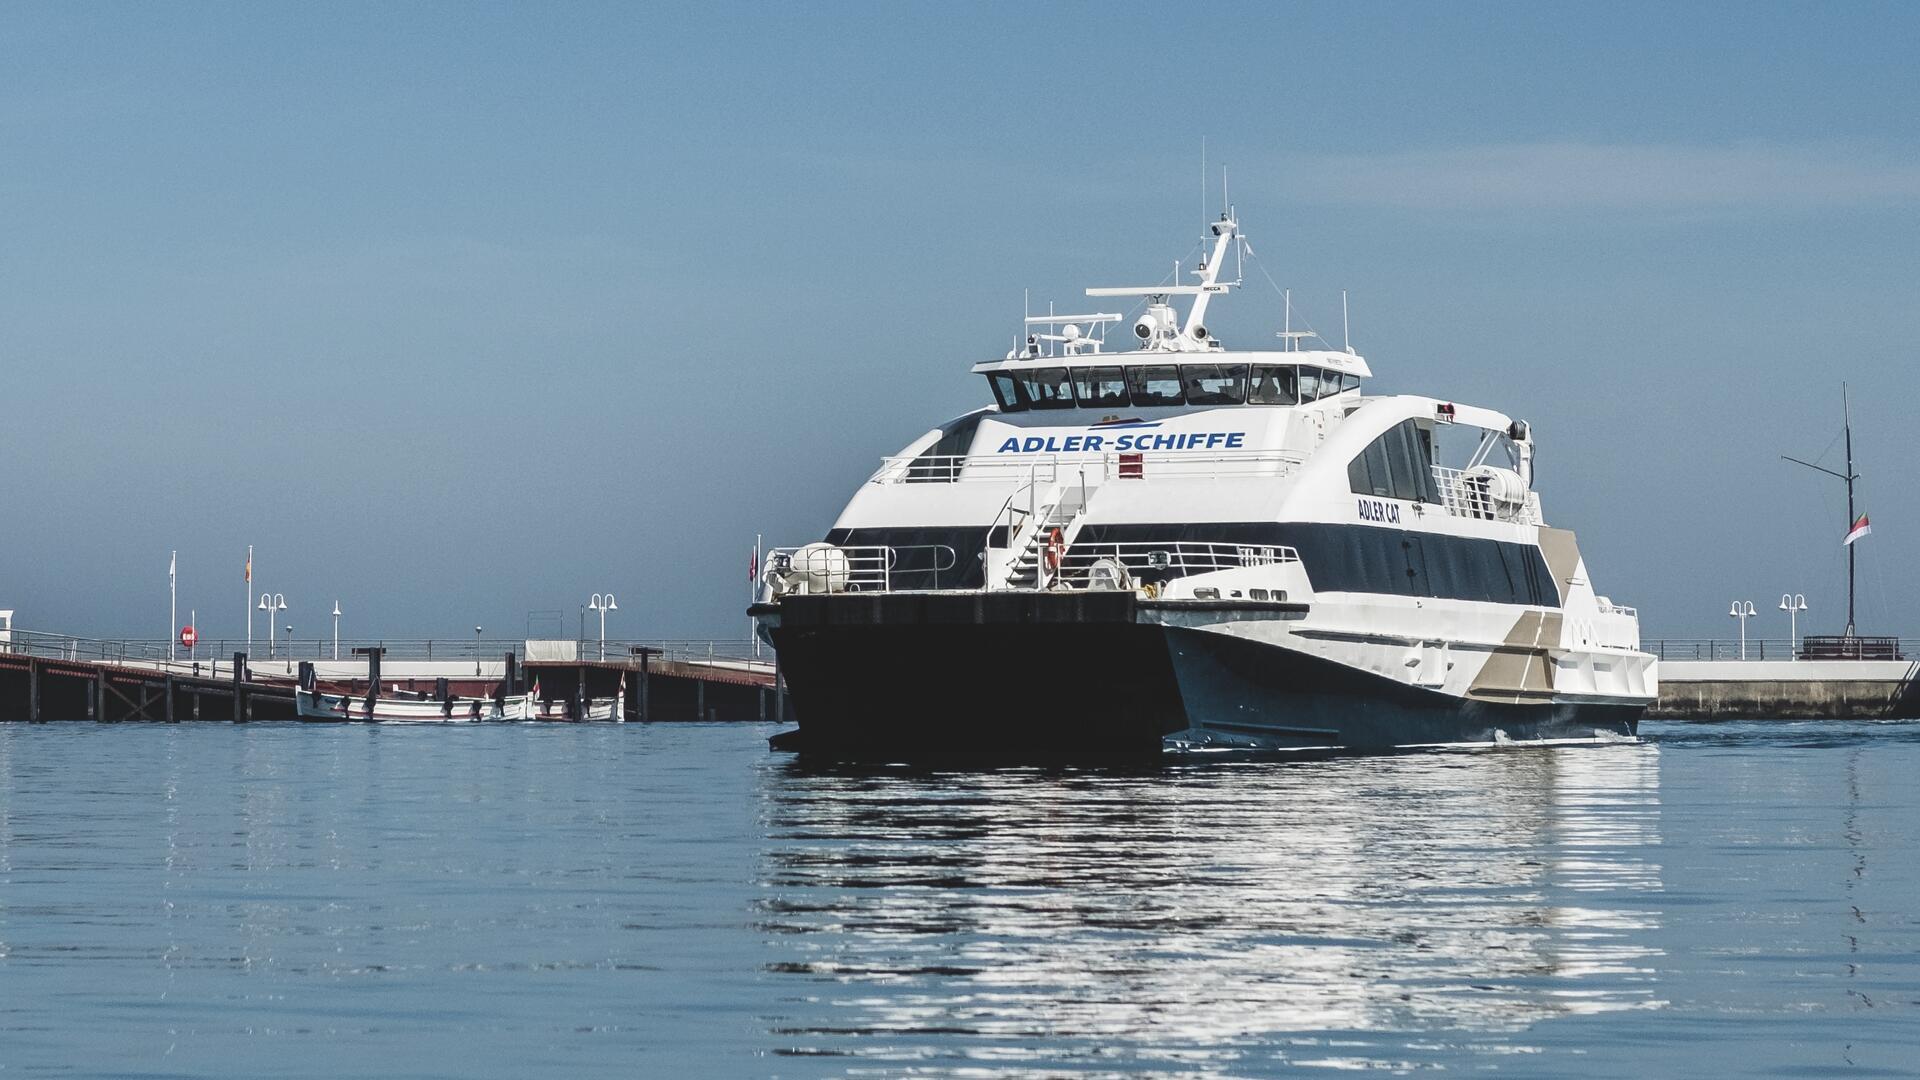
column 1787, row 690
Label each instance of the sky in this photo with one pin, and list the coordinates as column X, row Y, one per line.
column 462, row 313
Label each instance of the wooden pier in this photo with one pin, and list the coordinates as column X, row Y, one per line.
column 37, row 688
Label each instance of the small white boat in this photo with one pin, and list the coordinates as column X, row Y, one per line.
column 608, row 708
column 313, row 705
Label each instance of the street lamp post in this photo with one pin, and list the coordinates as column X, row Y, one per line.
column 1793, row 604
column 476, row 650
column 289, row 648
column 336, row 629
column 1742, row 610
column 270, row 603
column 603, row 603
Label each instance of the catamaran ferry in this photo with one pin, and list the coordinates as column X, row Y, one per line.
column 1185, row 546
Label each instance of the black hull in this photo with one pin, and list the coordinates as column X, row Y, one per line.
column 921, row 677
column 995, row 675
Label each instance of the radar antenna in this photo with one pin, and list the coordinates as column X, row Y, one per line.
column 1156, row 330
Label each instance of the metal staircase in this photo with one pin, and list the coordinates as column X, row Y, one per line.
column 1061, row 514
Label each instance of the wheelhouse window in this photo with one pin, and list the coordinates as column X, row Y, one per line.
column 1274, row 384
column 1100, row 387
column 1156, row 385
column 1214, row 384
column 1047, row 388
column 1397, row 465
column 1316, row 383
column 1006, row 391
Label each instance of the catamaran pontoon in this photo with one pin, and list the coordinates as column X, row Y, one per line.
column 1184, row 545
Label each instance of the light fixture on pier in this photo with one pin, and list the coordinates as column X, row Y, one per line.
column 602, row 603
column 270, row 603
column 1793, row 604
column 476, row 650
column 1742, row 610
column 336, row 629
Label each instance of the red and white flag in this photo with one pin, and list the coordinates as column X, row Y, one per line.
column 1860, row 529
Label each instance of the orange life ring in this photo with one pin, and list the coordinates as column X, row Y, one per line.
column 1056, row 547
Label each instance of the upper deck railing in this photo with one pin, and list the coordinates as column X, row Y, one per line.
column 1012, row 468
column 1467, row 495
column 1462, row 494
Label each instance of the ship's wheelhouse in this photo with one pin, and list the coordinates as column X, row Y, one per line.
column 1218, row 381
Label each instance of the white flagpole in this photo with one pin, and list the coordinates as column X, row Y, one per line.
column 249, row 599
column 753, row 594
column 173, row 601
column 193, row 620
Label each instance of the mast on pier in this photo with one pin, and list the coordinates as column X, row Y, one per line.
column 1846, row 415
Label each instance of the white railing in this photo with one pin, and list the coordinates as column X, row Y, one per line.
column 1169, row 559
column 1460, row 497
column 1468, row 496
column 862, row 568
column 1608, row 608
column 952, row 468
column 1144, row 465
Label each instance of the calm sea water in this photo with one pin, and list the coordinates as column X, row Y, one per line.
column 280, row 901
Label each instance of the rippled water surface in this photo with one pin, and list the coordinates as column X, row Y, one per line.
column 277, row 901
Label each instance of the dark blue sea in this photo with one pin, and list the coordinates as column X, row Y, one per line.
column 277, row 900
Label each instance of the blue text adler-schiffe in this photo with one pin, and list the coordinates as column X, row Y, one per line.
column 1089, row 444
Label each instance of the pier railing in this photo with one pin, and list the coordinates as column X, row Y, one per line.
column 206, row 653
column 1780, row 649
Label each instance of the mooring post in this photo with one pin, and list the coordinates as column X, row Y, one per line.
column 196, row 703
column 373, row 653
column 643, row 682
column 580, row 694
column 239, row 688
column 33, row 691
column 168, row 710
column 700, row 699
column 510, row 677
column 93, row 699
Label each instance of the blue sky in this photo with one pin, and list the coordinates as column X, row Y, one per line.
column 461, row 312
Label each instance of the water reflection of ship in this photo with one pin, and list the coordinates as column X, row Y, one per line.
column 1211, row 911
